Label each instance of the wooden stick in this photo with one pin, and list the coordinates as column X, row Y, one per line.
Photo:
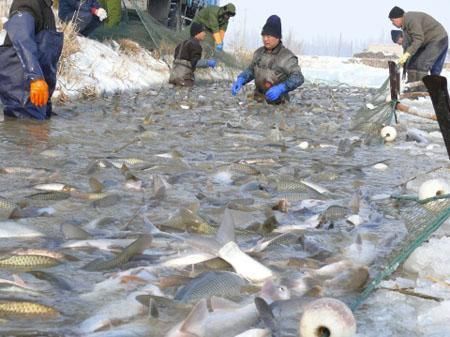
column 406, row 109
column 406, row 291
column 414, row 94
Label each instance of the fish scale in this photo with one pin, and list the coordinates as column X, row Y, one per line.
column 28, row 262
column 21, row 308
column 212, row 283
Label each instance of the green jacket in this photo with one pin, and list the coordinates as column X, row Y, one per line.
column 213, row 18
column 422, row 29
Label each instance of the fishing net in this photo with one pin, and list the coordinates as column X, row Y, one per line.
column 371, row 118
column 422, row 218
column 138, row 25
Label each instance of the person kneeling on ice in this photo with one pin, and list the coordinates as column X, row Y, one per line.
column 274, row 68
column 28, row 60
column 87, row 14
column 188, row 57
column 428, row 43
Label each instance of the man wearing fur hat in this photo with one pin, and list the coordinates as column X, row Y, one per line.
column 428, row 43
column 188, row 57
column 274, row 68
column 215, row 19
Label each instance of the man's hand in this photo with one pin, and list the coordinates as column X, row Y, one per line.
column 39, row 92
column 402, row 60
column 101, row 13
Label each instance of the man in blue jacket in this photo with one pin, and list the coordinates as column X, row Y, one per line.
column 28, row 60
column 87, row 14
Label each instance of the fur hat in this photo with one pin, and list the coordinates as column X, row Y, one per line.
column 396, row 34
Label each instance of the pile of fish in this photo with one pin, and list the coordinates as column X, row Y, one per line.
column 191, row 213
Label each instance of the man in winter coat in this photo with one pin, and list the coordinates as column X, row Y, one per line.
column 215, row 19
column 274, row 68
column 428, row 43
column 87, row 14
column 188, row 57
column 28, row 60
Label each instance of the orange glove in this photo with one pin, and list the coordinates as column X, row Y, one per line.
column 217, row 38
column 222, row 34
column 39, row 92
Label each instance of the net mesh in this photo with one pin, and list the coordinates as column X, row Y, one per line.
column 138, row 25
column 372, row 117
column 421, row 219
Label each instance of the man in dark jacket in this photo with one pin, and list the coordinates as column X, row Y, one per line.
column 28, row 59
column 87, row 14
column 274, row 68
column 188, row 57
column 215, row 19
column 428, row 45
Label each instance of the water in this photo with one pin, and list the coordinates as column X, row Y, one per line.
column 188, row 138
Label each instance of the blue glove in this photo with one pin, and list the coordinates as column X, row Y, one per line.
column 275, row 92
column 237, row 85
column 219, row 47
column 212, row 63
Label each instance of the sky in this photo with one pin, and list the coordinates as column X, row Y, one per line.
column 315, row 24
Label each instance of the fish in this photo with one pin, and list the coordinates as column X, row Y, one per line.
column 211, row 283
column 52, row 279
column 107, row 201
column 74, row 232
column 416, row 135
column 8, row 209
column 135, row 248
column 17, row 309
column 12, row 229
column 333, row 214
column 55, row 187
column 241, row 168
column 218, row 317
column 23, row 171
column 18, row 286
column 95, row 185
column 27, row 262
column 49, row 196
column 187, row 220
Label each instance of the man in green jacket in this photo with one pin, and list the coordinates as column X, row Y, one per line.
column 215, row 19
column 428, row 43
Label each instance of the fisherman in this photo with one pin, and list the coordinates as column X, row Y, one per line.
column 274, row 68
column 428, row 45
column 28, row 60
column 399, row 37
column 215, row 19
column 87, row 14
column 188, row 57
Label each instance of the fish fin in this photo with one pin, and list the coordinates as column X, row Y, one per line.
column 160, row 194
column 226, row 232
column 266, row 314
column 17, row 279
column 197, row 314
column 153, row 309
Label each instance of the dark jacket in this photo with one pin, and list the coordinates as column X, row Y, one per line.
column 67, row 8
column 270, row 68
column 31, row 51
column 40, row 10
column 187, row 58
column 189, row 50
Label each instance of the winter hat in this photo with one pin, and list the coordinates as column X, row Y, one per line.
column 196, row 28
column 272, row 26
column 396, row 13
column 230, row 9
column 396, row 34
